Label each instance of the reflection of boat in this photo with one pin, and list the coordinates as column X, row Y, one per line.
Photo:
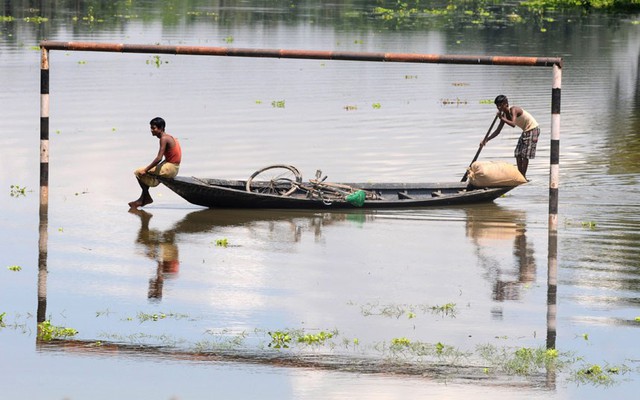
column 214, row 193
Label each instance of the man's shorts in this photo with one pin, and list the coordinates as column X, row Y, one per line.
column 164, row 169
column 526, row 147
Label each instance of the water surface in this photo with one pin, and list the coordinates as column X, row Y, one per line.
column 162, row 311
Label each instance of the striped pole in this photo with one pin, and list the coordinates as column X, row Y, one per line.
column 44, row 186
column 554, row 168
column 44, row 130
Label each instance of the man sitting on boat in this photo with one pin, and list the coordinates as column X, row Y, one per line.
column 166, row 164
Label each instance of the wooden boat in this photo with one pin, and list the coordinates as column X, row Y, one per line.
column 220, row 193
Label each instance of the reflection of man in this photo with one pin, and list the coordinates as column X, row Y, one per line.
column 158, row 246
column 508, row 290
column 489, row 224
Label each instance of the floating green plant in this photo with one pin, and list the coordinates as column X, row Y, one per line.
column 17, row 191
column 376, row 105
column 350, row 108
column 597, row 375
column 222, row 242
column 318, row 338
column 6, row 18
column 157, row 61
column 2, row 324
column 400, row 342
column 229, row 39
column 278, row 103
column 448, row 309
column 521, row 361
column 143, row 317
column 279, row 340
column 14, row 268
column 48, row 332
column 486, row 101
column 456, row 102
column 35, row 20
column 589, row 224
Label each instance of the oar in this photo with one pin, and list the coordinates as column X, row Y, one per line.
column 464, row 178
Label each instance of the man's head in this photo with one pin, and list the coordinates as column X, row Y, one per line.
column 158, row 123
column 501, row 99
column 502, row 103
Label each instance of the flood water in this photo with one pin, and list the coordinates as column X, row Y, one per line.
column 180, row 302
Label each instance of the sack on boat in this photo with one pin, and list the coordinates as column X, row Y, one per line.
column 495, row 174
column 357, row 198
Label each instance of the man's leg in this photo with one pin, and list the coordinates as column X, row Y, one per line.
column 144, row 199
column 523, row 165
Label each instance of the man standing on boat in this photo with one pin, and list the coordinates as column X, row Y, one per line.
column 516, row 116
column 168, row 167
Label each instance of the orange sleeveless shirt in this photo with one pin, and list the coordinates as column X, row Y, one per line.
column 174, row 155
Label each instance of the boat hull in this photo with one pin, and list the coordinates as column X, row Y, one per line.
column 219, row 193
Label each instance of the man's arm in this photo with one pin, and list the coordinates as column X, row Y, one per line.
column 514, row 112
column 163, row 147
column 494, row 134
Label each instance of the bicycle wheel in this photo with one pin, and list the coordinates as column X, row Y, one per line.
column 276, row 179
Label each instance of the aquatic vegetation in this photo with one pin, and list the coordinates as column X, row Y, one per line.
column 228, row 39
column 7, row 18
column 589, row 224
column 17, row 191
column 279, row 340
column 14, row 268
column 35, row 20
column 144, row 317
column 48, row 332
column 157, row 61
column 318, row 338
column 398, row 310
column 350, row 108
column 376, row 105
column 596, row 375
column 400, row 342
column 448, row 309
column 2, row 324
column 421, row 352
column 278, row 103
column 522, row 361
column 222, row 242
column 457, row 102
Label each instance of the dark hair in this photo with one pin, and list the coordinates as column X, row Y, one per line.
column 159, row 122
column 500, row 99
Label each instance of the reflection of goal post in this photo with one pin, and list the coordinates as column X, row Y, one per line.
column 555, row 63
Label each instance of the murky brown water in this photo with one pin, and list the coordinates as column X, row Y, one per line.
column 410, row 298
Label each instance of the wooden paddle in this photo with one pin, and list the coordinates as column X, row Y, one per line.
column 464, row 178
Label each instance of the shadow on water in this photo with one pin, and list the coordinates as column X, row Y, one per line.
column 486, row 222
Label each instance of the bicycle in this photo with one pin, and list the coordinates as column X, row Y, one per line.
column 286, row 180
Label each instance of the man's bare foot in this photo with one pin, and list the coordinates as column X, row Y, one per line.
column 135, row 204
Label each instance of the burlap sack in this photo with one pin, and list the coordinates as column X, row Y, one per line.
column 495, row 174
